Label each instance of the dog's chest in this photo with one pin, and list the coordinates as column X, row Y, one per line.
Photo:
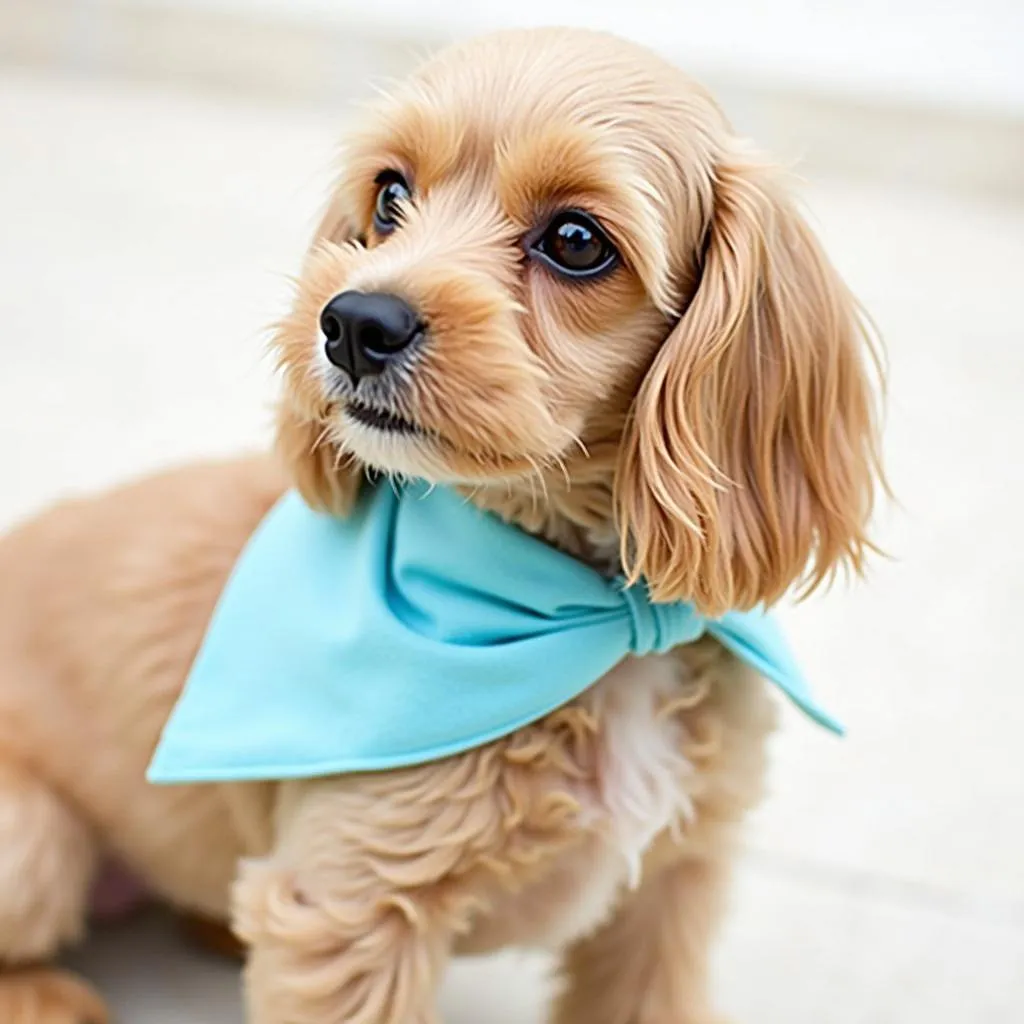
column 641, row 789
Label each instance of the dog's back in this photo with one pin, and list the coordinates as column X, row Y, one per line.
column 103, row 602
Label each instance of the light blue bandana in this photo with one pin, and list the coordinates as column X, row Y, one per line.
column 414, row 629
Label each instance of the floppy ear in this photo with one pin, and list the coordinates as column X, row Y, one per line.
column 327, row 480
column 750, row 460
column 336, row 224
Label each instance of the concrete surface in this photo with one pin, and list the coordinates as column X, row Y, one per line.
column 144, row 239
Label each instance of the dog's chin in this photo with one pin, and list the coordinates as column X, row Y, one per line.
column 400, row 448
column 392, row 445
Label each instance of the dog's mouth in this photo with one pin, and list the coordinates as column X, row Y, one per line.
column 380, row 419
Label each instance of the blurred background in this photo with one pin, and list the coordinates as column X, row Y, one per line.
column 160, row 167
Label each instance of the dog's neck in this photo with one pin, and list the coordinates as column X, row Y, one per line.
column 571, row 507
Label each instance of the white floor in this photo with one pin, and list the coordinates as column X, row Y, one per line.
column 144, row 239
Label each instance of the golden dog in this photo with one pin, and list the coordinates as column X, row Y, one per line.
column 598, row 312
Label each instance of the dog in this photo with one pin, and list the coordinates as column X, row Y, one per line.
column 551, row 277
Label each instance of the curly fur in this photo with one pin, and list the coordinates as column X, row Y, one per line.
column 702, row 417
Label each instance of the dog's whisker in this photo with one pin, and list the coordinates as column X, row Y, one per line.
column 532, row 480
column 537, row 478
column 559, row 462
column 578, row 441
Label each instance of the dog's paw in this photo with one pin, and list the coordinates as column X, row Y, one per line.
column 44, row 996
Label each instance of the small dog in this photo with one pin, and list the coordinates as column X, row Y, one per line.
column 552, row 277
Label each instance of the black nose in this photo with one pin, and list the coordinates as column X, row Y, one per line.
column 364, row 331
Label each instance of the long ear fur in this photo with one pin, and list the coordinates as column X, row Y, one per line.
column 751, row 458
column 327, row 481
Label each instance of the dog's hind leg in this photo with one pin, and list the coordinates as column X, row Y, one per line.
column 47, row 863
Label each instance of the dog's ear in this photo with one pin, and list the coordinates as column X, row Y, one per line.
column 327, row 480
column 336, row 223
column 750, row 460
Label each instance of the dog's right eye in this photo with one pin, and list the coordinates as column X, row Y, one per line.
column 393, row 194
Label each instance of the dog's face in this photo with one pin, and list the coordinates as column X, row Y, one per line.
column 514, row 218
column 547, row 261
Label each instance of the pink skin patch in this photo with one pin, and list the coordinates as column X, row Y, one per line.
column 116, row 892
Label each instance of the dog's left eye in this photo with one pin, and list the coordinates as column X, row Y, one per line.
column 393, row 194
column 574, row 244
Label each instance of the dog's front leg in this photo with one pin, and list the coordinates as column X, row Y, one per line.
column 371, row 963
column 346, row 920
column 372, row 878
column 649, row 963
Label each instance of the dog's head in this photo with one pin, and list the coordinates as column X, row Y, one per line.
column 549, row 268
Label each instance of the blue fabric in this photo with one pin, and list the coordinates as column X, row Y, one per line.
column 414, row 629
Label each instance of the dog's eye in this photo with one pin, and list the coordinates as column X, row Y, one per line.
column 393, row 193
column 574, row 245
